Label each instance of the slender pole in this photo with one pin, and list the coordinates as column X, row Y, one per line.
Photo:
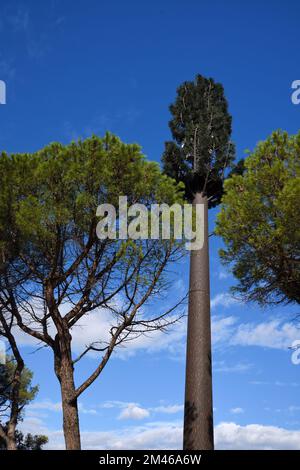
column 198, row 412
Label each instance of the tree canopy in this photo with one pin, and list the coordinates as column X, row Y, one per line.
column 16, row 391
column 259, row 222
column 54, row 270
column 201, row 128
column 27, row 391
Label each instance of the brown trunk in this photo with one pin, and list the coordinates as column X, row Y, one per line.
column 15, row 399
column 198, row 413
column 65, row 374
column 10, row 438
column 70, row 420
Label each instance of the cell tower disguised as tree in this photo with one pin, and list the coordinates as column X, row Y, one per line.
column 199, row 156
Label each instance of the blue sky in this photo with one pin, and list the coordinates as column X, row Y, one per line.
column 77, row 68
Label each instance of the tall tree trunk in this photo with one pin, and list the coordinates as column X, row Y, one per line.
column 70, row 414
column 198, row 413
column 11, row 437
column 65, row 373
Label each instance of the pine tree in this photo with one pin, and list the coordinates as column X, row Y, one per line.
column 264, row 201
column 16, row 392
column 199, row 156
column 48, row 203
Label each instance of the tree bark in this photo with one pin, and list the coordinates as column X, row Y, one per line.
column 15, row 386
column 11, row 437
column 65, row 373
column 70, row 419
column 198, row 413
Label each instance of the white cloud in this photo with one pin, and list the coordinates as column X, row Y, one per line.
column 255, row 436
column 223, row 329
column 95, row 326
column 168, row 435
column 157, row 435
column 171, row 342
column 273, row 334
column 237, row 411
column 34, row 425
column 221, row 366
column 222, row 274
column 224, row 299
column 226, row 331
column 45, row 405
column 136, row 411
column 114, row 404
column 48, row 405
column 133, row 411
column 169, row 409
column 152, row 436
column 86, row 411
column 277, row 383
